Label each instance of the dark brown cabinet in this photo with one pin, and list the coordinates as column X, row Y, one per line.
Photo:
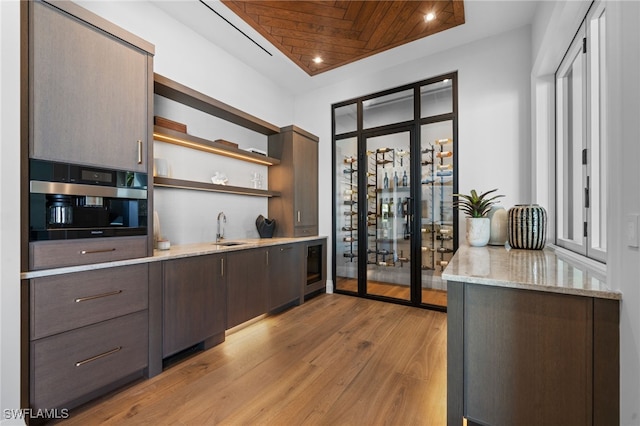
column 88, row 334
column 529, row 357
column 296, row 178
column 247, row 285
column 194, row 302
column 90, row 89
column 286, row 272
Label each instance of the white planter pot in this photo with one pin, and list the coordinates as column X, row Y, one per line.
column 478, row 231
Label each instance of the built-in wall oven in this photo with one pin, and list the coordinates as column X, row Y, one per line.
column 69, row 201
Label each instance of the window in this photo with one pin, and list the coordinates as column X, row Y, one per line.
column 581, row 174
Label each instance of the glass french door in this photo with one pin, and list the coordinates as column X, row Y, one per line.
column 389, row 218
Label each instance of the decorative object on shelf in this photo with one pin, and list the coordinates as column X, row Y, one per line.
column 498, row 219
column 477, row 207
column 169, row 124
column 527, row 226
column 219, row 178
column 227, row 143
column 256, row 178
column 160, row 167
column 164, row 244
column 266, row 227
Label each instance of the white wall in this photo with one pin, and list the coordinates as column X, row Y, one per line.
column 623, row 262
column 493, row 106
column 9, row 213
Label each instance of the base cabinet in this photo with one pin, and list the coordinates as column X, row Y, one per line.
column 285, row 270
column 194, row 302
column 529, row 357
column 89, row 332
column 247, row 285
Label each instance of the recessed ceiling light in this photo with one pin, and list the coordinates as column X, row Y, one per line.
column 317, row 60
column 429, row 17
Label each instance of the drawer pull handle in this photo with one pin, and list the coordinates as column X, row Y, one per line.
column 97, row 251
column 97, row 357
column 286, row 248
column 97, row 296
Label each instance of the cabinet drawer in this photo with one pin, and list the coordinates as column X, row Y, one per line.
column 305, row 231
column 70, row 365
column 64, row 302
column 56, row 254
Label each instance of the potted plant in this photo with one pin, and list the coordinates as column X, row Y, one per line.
column 476, row 208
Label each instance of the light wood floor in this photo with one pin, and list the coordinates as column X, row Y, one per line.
column 429, row 296
column 336, row 360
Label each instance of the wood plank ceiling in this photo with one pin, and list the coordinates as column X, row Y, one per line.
column 340, row 32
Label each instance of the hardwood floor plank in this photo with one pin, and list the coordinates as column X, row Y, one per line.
column 334, row 360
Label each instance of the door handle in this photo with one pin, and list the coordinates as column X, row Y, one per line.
column 97, row 251
column 139, row 151
column 97, row 296
column 97, row 357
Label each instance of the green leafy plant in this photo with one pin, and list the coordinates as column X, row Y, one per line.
column 475, row 205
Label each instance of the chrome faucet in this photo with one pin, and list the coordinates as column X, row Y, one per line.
column 222, row 219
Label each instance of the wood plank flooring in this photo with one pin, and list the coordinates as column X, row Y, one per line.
column 336, row 360
column 429, row 296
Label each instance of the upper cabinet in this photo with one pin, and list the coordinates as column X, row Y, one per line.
column 90, row 89
column 296, row 178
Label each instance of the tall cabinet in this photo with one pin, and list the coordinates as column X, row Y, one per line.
column 87, row 100
column 296, row 178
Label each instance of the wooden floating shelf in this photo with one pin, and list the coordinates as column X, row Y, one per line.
column 175, row 91
column 203, row 186
column 163, row 134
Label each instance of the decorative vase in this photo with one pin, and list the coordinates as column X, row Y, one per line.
column 527, row 226
column 498, row 220
column 265, row 226
column 478, row 231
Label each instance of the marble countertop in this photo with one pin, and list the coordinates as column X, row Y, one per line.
column 175, row 252
column 541, row 270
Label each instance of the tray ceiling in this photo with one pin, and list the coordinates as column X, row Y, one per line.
column 341, row 32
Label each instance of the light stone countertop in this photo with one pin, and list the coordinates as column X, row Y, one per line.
column 175, row 252
column 541, row 270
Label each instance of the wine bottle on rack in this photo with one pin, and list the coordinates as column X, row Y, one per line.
column 400, row 208
column 349, row 171
column 405, row 179
column 395, row 179
column 443, row 141
column 444, row 154
column 385, row 181
column 348, row 239
column 391, row 210
column 350, row 255
column 349, row 160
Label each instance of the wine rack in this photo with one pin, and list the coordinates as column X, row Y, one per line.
column 350, row 201
column 437, row 216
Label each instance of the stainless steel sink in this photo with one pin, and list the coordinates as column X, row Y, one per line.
column 230, row 243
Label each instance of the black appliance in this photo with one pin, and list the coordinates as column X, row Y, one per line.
column 68, row 201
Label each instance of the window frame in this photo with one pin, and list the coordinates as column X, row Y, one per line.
column 590, row 193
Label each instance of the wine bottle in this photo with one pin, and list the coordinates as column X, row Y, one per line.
column 405, row 179
column 395, row 179
column 444, row 154
column 391, row 210
column 349, row 160
column 400, row 209
column 349, row 171
column 443, row 141
column 385, row 181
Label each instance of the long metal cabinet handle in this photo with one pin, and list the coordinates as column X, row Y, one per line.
column 286, row 248
column 98, row 296
column 222, row 267
column 97, row 357
column 299, row 216
column 97, row 251
column 267, row 257
column 139, row 151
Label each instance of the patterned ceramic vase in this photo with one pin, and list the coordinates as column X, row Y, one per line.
column 527, row 226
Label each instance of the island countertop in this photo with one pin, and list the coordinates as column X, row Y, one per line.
column 541, row 270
